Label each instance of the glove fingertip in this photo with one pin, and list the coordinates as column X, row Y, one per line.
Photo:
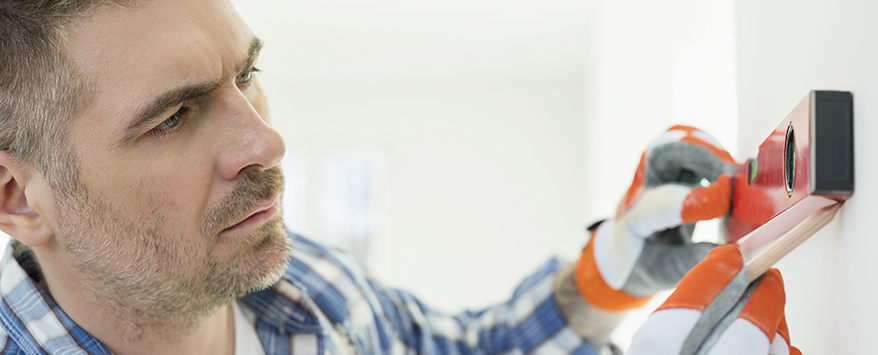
column 707, row 279
column 765, row 308
column 708, row 202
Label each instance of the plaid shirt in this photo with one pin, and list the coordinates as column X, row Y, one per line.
column 324, row 304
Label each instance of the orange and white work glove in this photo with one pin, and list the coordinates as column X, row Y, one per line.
column 716, row 310
column 647, row 247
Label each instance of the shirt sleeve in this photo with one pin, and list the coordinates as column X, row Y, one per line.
column 530, row 322
column 390, row 321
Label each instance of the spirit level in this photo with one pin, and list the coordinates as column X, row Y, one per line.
column 802, row 171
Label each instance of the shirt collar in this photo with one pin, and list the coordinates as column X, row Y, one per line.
column 32, row 319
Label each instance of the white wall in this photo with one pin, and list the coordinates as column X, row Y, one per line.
column 655, row 64
column 785, row 49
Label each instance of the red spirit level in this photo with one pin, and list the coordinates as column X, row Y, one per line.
column 805, row 166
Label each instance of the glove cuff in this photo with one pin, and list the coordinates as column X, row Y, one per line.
column 596, row 292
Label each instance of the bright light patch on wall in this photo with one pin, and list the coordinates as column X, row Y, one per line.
column 705, row 90
column 346, row 202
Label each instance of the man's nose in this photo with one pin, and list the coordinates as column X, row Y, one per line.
column 252, row 142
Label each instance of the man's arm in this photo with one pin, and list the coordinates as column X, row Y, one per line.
column 380, row 320
column 530, row 321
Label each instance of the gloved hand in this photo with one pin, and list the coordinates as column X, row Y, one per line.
column 716, row 310
column 647, row 247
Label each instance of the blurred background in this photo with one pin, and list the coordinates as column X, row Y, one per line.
column 454, row 146
column 457, row 145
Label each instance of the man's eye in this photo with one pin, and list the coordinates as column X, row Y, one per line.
column 246, row 76
column 168, row 125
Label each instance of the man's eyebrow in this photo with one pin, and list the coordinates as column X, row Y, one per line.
column 174, row 97
column 252, row 54
column 165, row 101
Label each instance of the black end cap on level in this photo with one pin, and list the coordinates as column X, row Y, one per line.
column 832, row 143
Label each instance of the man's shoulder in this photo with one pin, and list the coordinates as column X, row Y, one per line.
column 318, row 274
column 313, row 256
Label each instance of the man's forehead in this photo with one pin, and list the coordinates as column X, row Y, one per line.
column 134, row 54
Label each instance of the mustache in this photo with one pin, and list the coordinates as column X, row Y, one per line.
column 247, row 193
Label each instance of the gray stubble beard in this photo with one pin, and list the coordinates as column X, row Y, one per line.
column 142, row 276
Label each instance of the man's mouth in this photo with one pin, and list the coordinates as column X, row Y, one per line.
column 258, row 216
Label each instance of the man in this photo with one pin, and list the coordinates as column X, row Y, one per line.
column 141, row 184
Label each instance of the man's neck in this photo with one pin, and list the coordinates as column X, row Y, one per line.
column 112, row 323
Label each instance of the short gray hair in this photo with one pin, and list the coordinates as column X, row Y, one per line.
column 40, row 88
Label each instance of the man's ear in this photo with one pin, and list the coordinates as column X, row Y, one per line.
column 20, row 218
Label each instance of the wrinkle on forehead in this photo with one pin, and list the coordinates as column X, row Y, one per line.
column 135, row 54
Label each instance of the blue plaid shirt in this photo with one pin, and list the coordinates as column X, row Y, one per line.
column 324, row 304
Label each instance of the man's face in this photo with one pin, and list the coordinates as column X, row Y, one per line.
column 176, row 156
